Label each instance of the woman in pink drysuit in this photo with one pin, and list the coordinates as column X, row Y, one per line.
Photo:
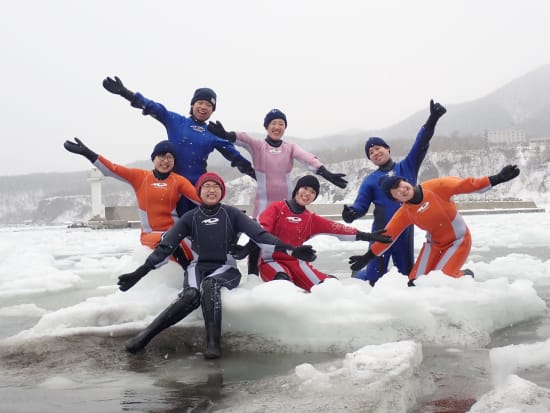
column 273, row 160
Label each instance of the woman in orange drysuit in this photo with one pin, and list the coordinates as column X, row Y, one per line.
column 429, row 207
column 157, row 191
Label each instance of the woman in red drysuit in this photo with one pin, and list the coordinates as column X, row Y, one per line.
column 429, row 207
column 291, row 222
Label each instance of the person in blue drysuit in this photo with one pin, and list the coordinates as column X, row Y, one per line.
column 379, row 153
column 192, row 141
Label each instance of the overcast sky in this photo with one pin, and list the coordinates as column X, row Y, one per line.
column 331, row 66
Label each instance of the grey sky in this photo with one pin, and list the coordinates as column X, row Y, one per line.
column 331, row 66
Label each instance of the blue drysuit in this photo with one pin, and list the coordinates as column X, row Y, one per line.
column 402, row 251
column 192, row 142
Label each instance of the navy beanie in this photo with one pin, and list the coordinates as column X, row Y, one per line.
column 274, row 114
column 161, row 148
column 205, row 93
column 388, row 182
column 307, row 180
column 375, row 141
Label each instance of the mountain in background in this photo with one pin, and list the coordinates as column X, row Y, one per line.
column 523, row 103
column 460, row 137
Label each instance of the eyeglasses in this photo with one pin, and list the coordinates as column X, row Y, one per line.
column 211, row 186
column 166, row 157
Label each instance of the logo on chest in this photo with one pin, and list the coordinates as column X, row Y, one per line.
column 294, row 220
column 423, row 207
column 159, row 184
column 198, row 128
column 275, row 151
column 210, row 221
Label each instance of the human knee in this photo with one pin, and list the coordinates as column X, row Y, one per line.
column 190, row 296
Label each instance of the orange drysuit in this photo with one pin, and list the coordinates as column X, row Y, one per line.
column 156, row 198
column 448, row 239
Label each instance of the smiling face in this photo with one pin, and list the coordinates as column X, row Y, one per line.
column 276, row 129
column 379, row 155
column 404, row 191
column 202, row 110
column 211, row 193
column 164, row 163
column 305, row 195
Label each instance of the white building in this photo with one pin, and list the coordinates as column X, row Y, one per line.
column 510, row 136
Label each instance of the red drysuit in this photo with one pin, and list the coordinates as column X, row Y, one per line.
column 295, row 229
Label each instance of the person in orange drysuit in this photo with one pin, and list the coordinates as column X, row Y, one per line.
column 157, row 191
column 429, row 207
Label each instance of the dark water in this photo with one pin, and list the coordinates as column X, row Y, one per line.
column 94, row 374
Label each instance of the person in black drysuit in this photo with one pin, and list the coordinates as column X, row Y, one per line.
column 214, row 229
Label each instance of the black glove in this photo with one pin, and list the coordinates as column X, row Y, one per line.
column 507, row 173
column 304, row 253
column 127, row 281
column 117, row 87
column 374, row 236
column 436, row 111
column 218, row 130
column 242, row 251
column 359, row 261
column 349, row 214
column 79, row 148
column 247, row 169
column 336, row 179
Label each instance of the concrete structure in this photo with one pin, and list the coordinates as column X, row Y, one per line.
column 127, row 217
column 98, row 209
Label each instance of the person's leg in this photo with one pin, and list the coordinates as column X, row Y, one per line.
column 186, row 302
column 455, row 256
column 211, row 305
column 375, row 269
column 402, row 251
column 304, row 275
column 273, row 270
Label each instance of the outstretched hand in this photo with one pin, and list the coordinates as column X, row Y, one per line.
column 379, row 236
column 127, row 281
column 507, row 173
column 247, row 170
column 349, row 214
column 117, row 87
column 79, row 148
column 436, row 109
column 241, row 251
column 359, row 261
column 334, row 178
column 217, row 129
column 304, row 253
column 376, row 236
column 114, row 85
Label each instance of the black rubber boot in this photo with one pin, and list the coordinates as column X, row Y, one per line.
column 186, row 302
column 281, row 276
column 212, row 312
column 253, row 258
